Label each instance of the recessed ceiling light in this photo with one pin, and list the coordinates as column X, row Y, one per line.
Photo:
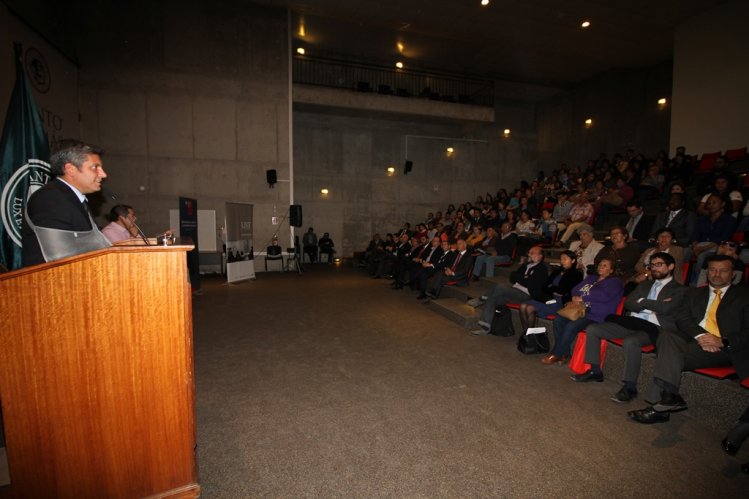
column 324, row 192
column 506, row 132
column 585, row 24
column 484, row 2
column 400, row 47
column 399, row 65
column 589, row 122
column 450, row 150
column 391, row 170
column 300, row 51
column 662, row 101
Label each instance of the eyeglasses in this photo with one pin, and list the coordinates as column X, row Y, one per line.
column 656, row 264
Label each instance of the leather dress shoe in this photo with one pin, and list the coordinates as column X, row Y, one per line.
column 670, row 402
column 732, row 443
column 587, row 376
column 624, row 395
column 649, row 416
column 552, row 359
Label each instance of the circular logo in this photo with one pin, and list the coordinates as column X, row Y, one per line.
column 13, row 202
column 37, row 70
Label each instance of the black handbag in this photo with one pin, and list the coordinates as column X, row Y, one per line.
column 533, row 343
column 502, row 322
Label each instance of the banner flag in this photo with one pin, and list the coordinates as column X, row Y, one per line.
column 24, row 164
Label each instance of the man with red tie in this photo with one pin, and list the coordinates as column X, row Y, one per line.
column 712, row 331
column 457, row 272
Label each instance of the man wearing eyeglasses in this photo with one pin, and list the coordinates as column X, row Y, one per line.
column 652, row 307
column 712, row 330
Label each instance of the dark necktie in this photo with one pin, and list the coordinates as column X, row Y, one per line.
column 457, row 261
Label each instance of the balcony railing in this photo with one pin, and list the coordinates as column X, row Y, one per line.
column 336, row 73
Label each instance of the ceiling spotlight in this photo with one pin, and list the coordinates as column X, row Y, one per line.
column 506, row 132
column 300, row 51
column 450, row 151
column 324, row 192
column 662, row 101
column 484, row 2
column 391, row 170
column 589, row 122
column 399, row 65
column 585, row 24
column 400, row 47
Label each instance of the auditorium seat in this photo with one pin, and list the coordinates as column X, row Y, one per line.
column 708, row 162
column 736, row 154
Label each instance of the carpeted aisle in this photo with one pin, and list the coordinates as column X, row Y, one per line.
column 331, row 384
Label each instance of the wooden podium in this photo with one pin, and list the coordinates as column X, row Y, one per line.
column 96, row 376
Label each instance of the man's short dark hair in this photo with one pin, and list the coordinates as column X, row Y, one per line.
column 119, row 210
column 634, row 202
column 70, row 151
column 664, row 230
column 666, row 257
column 721, row 258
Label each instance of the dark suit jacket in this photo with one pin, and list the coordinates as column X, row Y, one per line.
column 534, row 280
column 665, row 311
column 54, row 206
column 682, row 225
column 733, row 321
column 642, row 229
column 569, row 280
column 463, row 268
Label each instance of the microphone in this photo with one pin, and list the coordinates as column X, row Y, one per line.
column 111, row 195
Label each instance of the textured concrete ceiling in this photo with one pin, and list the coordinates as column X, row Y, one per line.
column 533, row 41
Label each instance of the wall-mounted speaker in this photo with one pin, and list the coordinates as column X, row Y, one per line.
column 271, row 177
column 295, row 215
column 408, row 167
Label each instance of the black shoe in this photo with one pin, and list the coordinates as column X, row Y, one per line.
column 670, row 402
column 587, row 376
column 422, row 296
column 732, row 443
column 624, row 395
column 649, row 416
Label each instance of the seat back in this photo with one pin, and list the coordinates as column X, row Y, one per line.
column 273, row 251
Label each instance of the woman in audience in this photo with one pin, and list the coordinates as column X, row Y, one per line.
column 556, row 291
column 476, row 237
column 600, row 294
column 623, row 254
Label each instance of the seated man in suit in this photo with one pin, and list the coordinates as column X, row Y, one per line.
column 431, row 269
column 638, row 224
column 61, row 205
column 418, row 265
column 402, row 262
column 677, row 218
column 457, row 272
column 527, row 283
column 712, row 330
column 652, row 307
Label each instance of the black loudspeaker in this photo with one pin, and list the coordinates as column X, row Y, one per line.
column 295, row 215
column 270, row 176
column 408, row 167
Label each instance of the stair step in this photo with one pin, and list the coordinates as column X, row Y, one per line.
column 456, row 311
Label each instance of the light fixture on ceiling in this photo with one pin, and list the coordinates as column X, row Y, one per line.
column 585, row 24
column 450, row 151
column 302, row 32
column 506, row 132
column 588, row 122
column 400, row 47
column 391, row 171
column 484, row 2
column 399, row 65
column 300, row 51
column 324, row 191
column 662, row 101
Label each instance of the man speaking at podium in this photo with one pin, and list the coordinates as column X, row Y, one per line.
column 58, row 222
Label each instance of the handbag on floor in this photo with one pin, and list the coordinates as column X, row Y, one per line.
column 530, row 344
column 502, row 322
column 577, row 363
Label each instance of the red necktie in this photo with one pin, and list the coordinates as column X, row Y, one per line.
column 457, row 260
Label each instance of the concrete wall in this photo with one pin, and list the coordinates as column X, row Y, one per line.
column 189, row 99
column 349, row 153
column 623, row 107
column 711, row 78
